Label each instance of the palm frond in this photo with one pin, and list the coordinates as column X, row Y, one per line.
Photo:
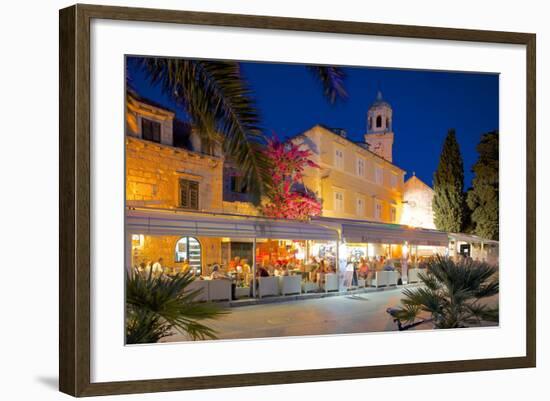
column 452, row 292
column 158, row 305
column 408, row 313
column 220, row 104
column 332, row 79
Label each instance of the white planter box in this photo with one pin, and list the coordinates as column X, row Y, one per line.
column 242, row 292
column 309, row 286
column 268, row 286
column 290, row 285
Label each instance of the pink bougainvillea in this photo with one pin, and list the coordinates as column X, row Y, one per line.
column 288, row 162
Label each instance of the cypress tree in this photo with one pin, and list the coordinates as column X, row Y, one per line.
column 483, row 197
column 449, row 203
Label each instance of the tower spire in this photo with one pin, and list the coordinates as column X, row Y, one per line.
column 378, row 91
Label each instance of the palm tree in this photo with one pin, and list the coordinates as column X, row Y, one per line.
column 453, row 294
column 156, row 307
column 220, row 105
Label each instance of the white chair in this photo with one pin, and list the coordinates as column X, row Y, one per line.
column 219, row 290
column 361, row 282
column 201, row 285
column 331, row 282
column 268, row 286
column 290, row 285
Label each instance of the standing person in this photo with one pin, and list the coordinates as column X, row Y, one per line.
column 404, row 270
column 158, row 270
column 348, row 274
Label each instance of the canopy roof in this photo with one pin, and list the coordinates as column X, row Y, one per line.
column 162, row 222
column 471, row 238
column 366, row 231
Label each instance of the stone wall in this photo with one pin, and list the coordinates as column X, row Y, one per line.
column 417, row 210
column 153, row 172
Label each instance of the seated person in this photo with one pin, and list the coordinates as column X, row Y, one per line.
column 363, row 268
column 283, row 271
column 217, row 274
column 245, row 267
column 233, row 264
column 185, row 266
column 262, row 272
column 388, row 266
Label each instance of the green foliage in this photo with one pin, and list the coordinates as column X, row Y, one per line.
column 483, row 198
column 156, row 306
column 449, row 203
column 452, row 293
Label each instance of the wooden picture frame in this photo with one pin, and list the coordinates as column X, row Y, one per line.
column 74, row 203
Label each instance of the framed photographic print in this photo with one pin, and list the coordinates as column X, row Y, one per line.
column 244, row 197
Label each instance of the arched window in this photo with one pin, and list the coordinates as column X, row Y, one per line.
column 189, row 249
column 378, row 121
column 387, row 123
column 370, row 122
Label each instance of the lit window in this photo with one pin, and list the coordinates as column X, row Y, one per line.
column 188, row 249
column 360, row 207
column 338, row 201
column 360, row 167
column 393, row 214
column 189, row 194
column 150, row 130
column 377, row 210
column 379, row 175
column 339, row 158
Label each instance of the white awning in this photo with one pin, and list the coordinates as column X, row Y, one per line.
column 392, row 234
column 365, row 231
column 473, row 239
column 158, row 222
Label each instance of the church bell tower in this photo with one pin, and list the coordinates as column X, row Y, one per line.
column 379, row 134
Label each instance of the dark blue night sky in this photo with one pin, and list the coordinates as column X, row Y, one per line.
column 425, row 105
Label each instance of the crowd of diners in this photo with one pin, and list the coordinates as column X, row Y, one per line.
column 239, row 270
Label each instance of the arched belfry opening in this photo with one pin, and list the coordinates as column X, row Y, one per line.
column 379, row 136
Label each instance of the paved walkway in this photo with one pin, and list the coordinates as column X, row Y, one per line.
column 333, row 315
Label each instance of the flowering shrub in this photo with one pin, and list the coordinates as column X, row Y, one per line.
column 288, row 162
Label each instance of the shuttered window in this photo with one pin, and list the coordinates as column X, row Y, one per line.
column 150, row 130
column 189, row 194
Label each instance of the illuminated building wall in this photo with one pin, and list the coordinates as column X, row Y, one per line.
column 417, row 204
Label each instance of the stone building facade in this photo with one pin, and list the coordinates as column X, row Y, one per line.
column 352, row 181
column 417, row 204
column 164, row 176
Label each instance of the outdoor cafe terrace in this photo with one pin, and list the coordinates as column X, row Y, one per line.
column 244, row 259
